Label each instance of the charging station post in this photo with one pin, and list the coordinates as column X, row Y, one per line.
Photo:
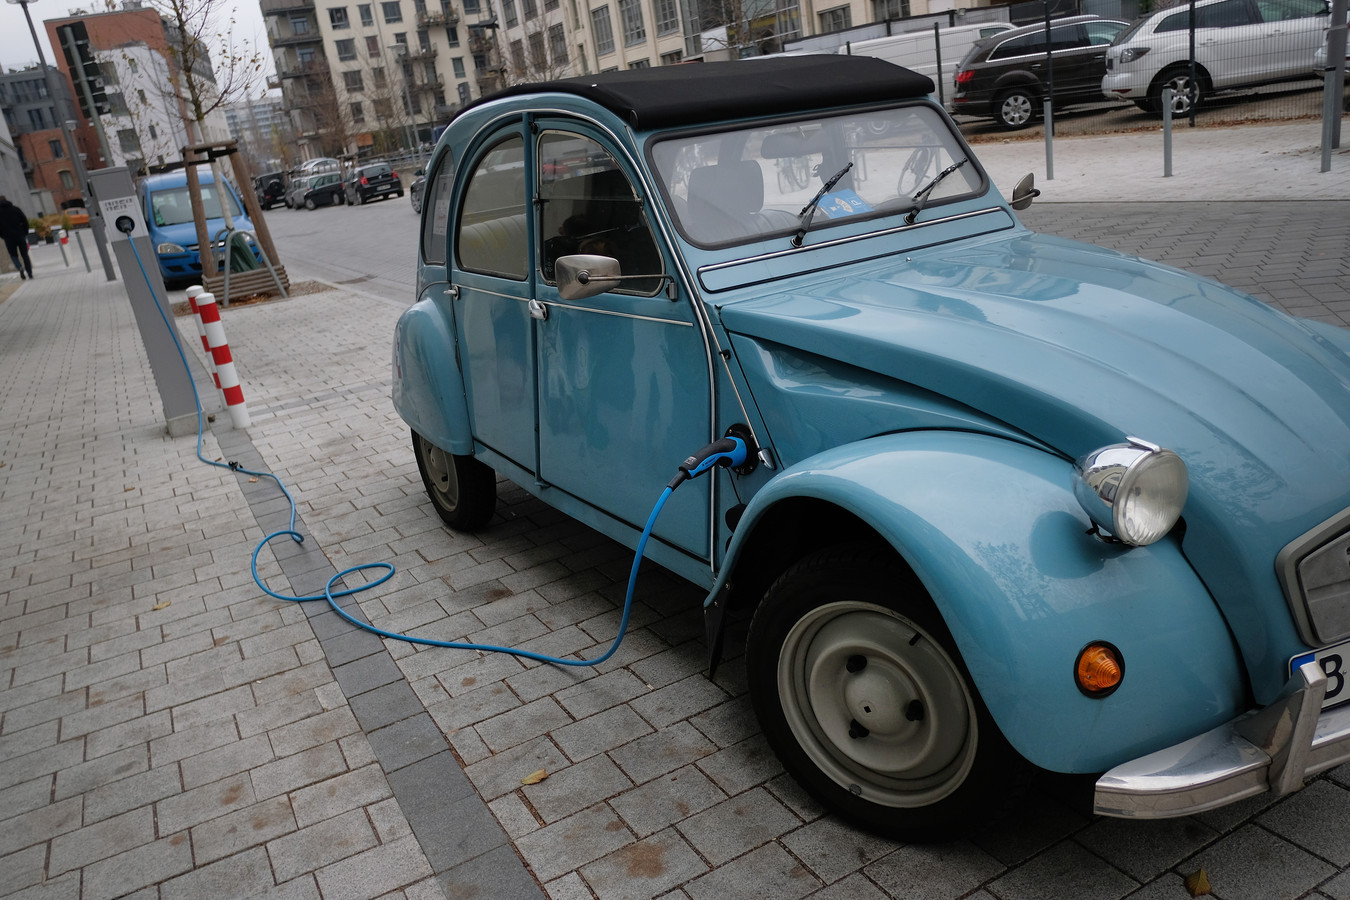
column 115, row 195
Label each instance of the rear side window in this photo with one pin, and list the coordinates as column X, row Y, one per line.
column 1280, row 10
column 492, row 236
column 1228, row 14
column 1020, row 46
column 436, row 217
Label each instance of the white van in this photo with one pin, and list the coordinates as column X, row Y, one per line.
column 917, row 50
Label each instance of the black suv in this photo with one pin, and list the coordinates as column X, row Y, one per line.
column 1003, row 77
column 372, row 181
column 270, row 188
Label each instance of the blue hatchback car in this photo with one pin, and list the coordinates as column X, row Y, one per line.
column 168, row 214
column 992, row 500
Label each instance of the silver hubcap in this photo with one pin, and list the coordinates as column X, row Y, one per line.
column 1016, row 110
column 877, row 704
column 1181, row 94
column 441, row 473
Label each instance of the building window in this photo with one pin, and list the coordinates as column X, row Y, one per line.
column 458, row 65
column 630, row 14
column 140, row 95
column 299, row 25
column 538, row 55
column 882, row 10
column 604, row 32
column 377, row 75
column 667, row 16
column 306, row 56
column 392, row 11
column 126, row 140
column 372, row 46
column 557, row 44
column 640, row 64
column 346, row 49
column 352, row 81
column 67, row 180
column 509, row 11
column 518, row 55
column 154, row 133
column 58, row 151
column 367, row 17
column 384, row 109
column 471, row 7
column 529, row 8
column 452, row 35
column 672, row 59
column 836, row 19
column 358, row 114
column 337, row 17
column 550, row 5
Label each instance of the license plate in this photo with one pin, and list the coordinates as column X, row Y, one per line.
column 1333, row 661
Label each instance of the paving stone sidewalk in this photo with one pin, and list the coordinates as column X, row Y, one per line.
column 166, row 730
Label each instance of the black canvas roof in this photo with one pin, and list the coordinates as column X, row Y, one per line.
column 665, row 96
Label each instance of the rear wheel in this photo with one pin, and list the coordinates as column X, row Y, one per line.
column 1015, row 108
column 310, row 204
column 861, row 693
column 1185, row 93
column 462, row 489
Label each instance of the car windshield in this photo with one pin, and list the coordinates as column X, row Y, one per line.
column 745, row 184
column 171, row 206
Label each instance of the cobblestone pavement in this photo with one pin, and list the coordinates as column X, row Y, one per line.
column 167, row 731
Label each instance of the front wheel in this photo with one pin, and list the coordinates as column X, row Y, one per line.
column 462, row 489
column 1015, row 108
column 861, row 693
column 310, row 204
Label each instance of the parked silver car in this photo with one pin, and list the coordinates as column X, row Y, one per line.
column 1238, row 43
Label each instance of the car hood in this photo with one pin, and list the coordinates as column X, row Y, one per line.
column 1078, row 347
column 184, row 234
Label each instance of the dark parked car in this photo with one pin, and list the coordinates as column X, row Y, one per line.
column 371, row 182
column 1004, row 77
column 321, row 190
column 416, row 190
column 270, row 188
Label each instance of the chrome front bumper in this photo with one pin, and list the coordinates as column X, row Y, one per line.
column 1273, row 749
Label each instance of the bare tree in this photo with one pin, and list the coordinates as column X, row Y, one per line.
column 540, row 54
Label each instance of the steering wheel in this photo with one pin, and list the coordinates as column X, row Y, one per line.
column 915, row 171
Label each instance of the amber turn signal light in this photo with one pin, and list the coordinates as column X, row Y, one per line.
column 1099, row 670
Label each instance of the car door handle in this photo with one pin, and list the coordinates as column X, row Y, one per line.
column 538, row 310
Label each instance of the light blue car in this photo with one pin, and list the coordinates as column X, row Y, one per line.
column 994, row 500
column 173, row 233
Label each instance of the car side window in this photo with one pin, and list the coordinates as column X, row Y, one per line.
column 1020, row 46
column 1228, row 14
column 587, row 205
column 1102, row 33
column 436, row 199
column 491, row 237
column 1280, row 10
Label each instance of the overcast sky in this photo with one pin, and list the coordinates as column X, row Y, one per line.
column 16, row 43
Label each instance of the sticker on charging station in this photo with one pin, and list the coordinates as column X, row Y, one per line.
column 841, row 204
column 122, row 217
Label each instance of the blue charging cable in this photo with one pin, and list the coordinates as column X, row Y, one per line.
column 727, row 452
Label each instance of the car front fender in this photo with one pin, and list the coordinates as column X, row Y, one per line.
column 428, row 392
column 991, row 528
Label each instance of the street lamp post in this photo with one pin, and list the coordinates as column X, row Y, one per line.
column 402, row 51
column 81, row 176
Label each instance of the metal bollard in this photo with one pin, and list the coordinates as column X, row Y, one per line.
column 1167, row 131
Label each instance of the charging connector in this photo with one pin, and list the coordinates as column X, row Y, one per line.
column 727, row 452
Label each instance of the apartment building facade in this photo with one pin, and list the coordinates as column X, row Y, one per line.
column 33, row 116
column 355, row 75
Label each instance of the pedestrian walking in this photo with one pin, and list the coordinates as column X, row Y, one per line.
column 14, row 229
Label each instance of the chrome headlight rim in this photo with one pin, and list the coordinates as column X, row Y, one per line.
column 167, row 247
column 1133, row 492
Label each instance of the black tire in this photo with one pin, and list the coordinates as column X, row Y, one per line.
column 1185, row 94
column 462, row 489
column 1015, row 108
column 836, row 633
column 417, row 204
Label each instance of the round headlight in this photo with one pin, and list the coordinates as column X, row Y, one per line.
column 1133, row 491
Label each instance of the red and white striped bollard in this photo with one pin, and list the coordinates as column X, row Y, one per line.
column 220, row 352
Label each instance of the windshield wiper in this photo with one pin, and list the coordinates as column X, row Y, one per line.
column 921, row 198
column 809, row 210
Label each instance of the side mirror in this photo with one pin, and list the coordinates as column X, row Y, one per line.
column 583, row 275
column 1024, row 192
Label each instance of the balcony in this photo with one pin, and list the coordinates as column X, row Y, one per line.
column 282, row 7
column 436, row 18
column 293, row 69
column 429, row 86
column 293, row 40
column 413, row 54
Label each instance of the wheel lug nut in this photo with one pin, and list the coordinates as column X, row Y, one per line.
column 856, row 730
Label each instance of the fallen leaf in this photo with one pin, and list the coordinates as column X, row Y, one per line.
column 1197, row 883
column 161, row 605
column 127, row 489
column 253, row 481
column 534, row 777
